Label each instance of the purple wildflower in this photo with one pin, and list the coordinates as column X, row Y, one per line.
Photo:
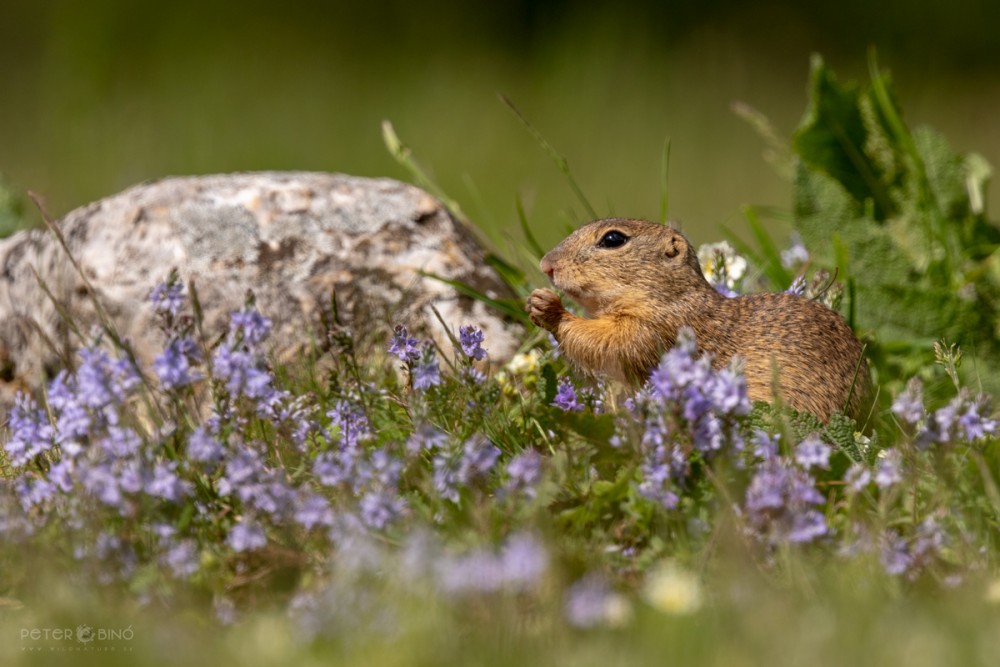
column 239, row 370
column 888, row 472
column 857, row 477
column 31, row 432
column 798, row 286
column 765, row 445
column 524, row 471
column 655, row 484
column 380, row 508
column 242, row 467
column 779, row 503
column 61, row 475
column 182, row 558
column 336, row 467
column 313, row 510
column 383, row 468
column 456, row 469
column 250, row 327
column 685, row 397
column 402, row 346
column 896, row 558
column 901, row 556
column 351, row 422
column 225, row 610
column 909, row 405
column 101, row 381
column 473, row 376
column 586, row 603
column 566, row 398
column 813, row 452
column 523, row 561
column 479, row 455
column 426, row 374
column 807, row 526
column 554, row 344
column 593, row 396
column 272, row 495
column 202, row 446
column 130, row 478
column 677, row 369
column 425, row 438
column 519, row 565
column 973, row 423
column 725, row 290
column 728, row 393
column 796, row 254
column 168, row 297
column 297, row 413
column 447, row 478
column 32, row 490
column 74, row 420
column 121, row 442
column 942, row 424
column 684, row 380
column 100, row 482
column 166, row 484
column 928, row 542
column 471, row 340
column 246, row 536
column 173, row 365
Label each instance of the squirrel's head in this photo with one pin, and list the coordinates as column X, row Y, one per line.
column 619, row 263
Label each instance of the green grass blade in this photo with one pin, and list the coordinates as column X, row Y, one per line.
column 561, row 162
column 768, row 257
column 507, row 307
column 529, row 237
column 404, row 156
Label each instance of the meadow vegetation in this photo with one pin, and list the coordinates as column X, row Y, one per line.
column 389, row 502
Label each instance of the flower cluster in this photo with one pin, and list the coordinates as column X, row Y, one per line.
column 964, row 418
column 782, row 501
column 420, row 361
column 687, row 407
column 723, row 267
column 471, row 340
column 369, row 474
column 566, row 398
column 99, row 447
column 455, row 468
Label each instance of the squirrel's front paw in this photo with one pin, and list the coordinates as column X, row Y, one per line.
column 545, row 309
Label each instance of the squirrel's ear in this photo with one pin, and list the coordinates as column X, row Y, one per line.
column 675, row 245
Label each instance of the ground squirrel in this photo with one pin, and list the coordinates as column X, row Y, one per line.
column 640, row 282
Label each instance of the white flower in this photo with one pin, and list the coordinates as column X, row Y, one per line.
column 734, row 266
column 525, row 363
column 672, row 589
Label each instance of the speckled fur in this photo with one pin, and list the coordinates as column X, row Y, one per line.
column 639, row 295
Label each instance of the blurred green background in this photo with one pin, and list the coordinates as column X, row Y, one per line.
column 98, row 95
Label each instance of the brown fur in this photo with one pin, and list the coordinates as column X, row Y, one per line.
column 639, row 294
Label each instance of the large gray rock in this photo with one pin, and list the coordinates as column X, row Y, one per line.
column 292, row 238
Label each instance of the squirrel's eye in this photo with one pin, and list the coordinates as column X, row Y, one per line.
column 613, row 239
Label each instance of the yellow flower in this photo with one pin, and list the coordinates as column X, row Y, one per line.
column 672, row 589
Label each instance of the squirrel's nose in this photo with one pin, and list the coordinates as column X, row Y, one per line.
column 546, row 266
